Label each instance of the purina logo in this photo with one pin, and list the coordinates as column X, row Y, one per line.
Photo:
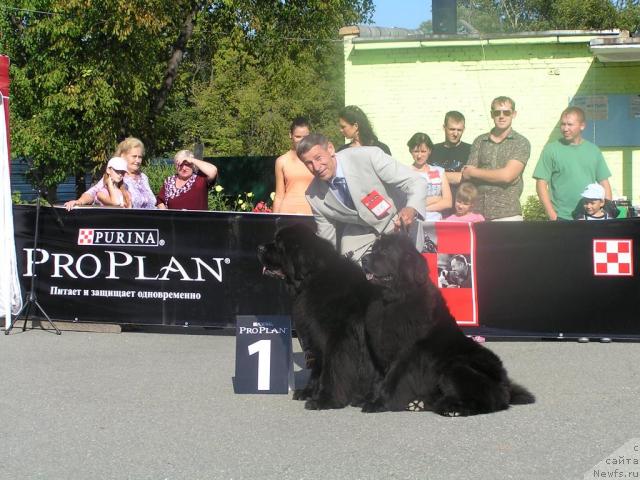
column 140, row 237
column 613, row 257
column 263, row 324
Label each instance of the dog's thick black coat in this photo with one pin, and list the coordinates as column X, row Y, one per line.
column 416, row 343
column 331, row 295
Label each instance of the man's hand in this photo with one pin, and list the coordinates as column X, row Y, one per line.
column 405, row 217
column 468, row 171
column 542, row 189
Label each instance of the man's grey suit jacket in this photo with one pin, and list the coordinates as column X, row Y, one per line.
column 365, row 169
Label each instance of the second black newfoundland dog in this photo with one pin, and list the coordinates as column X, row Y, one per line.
column 330, row 299
column 428, row 363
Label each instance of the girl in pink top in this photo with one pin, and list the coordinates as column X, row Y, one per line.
column 465, row 197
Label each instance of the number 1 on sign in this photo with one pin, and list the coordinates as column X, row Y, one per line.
column 263, row 349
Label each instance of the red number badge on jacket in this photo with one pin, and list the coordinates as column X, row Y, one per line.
column 376, row 204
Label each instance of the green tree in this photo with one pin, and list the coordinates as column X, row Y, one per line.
column 491, row 16
column 629, row 16
column 248, row 78
column 246, row 107
column 86, row 73
column 426, row 27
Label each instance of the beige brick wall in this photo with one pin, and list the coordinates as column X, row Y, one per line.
column 405, row 88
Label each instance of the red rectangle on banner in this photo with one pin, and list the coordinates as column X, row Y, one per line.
column 453, row 237
column 460, row 301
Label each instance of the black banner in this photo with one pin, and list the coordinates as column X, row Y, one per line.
column 185, row 268
column 546, row 277
column 150, row 266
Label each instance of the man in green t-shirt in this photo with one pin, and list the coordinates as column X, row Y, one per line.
column 567, row 166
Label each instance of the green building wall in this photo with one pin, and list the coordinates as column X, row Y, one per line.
column 405, row 87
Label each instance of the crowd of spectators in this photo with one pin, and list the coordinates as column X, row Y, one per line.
column 185, row 190
column 462, row 182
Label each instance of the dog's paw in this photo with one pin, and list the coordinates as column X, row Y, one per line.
column 457, row 411
column 452, row 407
column 451, row 414
column 315, row 404
column 416, row 406
column 322, row 403
column 373, row 407
column 301, row 394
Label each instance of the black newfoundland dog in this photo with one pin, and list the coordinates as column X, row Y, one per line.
column 331, row 296
column 428, row 363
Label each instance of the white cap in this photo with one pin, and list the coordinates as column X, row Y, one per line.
column 118, row 163
column 594, row 191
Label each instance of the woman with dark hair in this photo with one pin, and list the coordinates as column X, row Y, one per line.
column 355, row 126
column 292, row 177
column 439, row 191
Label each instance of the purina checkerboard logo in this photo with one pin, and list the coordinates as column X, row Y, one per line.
column 613, row 258
column 139, row 237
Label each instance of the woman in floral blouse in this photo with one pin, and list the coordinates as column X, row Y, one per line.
column 132, row 150
column 187, row 189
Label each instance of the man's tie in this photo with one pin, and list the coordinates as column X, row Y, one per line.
column 341, row 186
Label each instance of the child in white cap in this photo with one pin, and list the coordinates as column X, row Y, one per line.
column 114, row 192
column 593, row 203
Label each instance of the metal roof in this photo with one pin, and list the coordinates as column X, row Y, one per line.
column 373, row 33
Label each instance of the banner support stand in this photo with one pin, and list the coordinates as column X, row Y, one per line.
column 32, row 299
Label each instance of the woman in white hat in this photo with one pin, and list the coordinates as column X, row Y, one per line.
column 110, row 191
column 114, row 192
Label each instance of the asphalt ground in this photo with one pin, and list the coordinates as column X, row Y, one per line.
column 140, row 405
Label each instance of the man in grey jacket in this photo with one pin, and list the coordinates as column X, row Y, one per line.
column 359, row 193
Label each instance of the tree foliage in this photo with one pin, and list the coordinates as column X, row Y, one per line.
column 87, row 73
column 258, row 66
column 83, row 75
column 494, row 16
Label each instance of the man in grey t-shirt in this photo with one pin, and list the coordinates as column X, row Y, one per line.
column 496, row 163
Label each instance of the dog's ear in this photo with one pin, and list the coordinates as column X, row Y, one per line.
column 420, row 270
column 303, row 257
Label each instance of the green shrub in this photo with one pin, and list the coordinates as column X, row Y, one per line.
column 218, row 201
column 533, row 210
column 158, row 170
column 16, row 198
